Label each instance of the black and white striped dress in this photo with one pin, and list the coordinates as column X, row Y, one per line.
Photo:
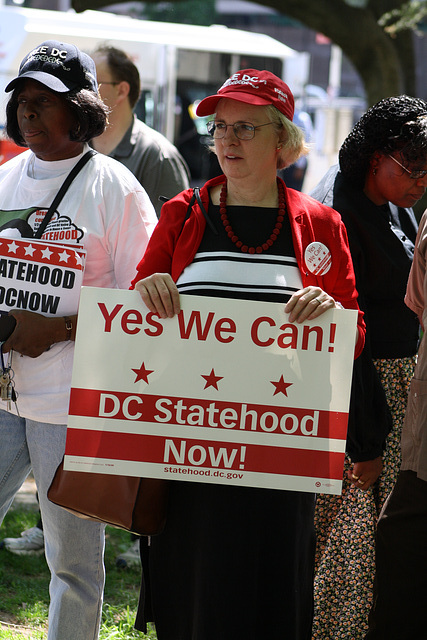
column 220, row 269
column 236, row 563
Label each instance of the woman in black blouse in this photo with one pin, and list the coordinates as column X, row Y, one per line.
column 382, row 173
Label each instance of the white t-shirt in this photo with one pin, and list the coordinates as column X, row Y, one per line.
column 107, row 211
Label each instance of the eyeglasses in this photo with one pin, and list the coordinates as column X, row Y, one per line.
column 417, row 174
column 242, row 130
column 100, row 83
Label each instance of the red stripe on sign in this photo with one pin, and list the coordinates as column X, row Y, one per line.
column 59, row 255
column 203, row 454
column 207, row 413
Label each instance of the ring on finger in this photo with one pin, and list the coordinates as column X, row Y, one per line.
column 361, row 482
column 317, row 300
column 355, row 477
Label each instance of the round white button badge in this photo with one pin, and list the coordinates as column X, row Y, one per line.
column 318, row 258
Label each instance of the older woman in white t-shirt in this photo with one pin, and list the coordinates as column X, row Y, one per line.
column 55, row 110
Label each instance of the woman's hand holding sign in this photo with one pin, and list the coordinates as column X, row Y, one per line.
column 159, row 292
column 308, row 303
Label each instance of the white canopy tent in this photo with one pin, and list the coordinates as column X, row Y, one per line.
column 163, row 52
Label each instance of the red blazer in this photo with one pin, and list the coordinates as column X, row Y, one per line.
column 174, row 243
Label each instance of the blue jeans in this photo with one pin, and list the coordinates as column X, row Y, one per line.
column 74, row 547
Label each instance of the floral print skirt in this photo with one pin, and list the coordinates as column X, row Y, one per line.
column 346, row 524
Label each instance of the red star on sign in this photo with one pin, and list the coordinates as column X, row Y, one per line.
column 281, row 386
column 212, row 380
column 142, row 373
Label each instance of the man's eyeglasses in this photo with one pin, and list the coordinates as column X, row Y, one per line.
column 100, row 83
column 416, row 174
column 242, row 130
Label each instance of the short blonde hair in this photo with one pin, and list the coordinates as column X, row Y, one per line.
column 291, row 137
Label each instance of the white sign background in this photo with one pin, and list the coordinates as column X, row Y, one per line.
column 227, row 392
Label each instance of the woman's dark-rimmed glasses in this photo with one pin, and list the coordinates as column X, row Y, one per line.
column 242, row 130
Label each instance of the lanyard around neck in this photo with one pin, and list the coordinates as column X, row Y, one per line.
column 68, row 180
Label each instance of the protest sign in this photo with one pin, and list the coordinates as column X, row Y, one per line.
column 228, row 391
column 38, row 276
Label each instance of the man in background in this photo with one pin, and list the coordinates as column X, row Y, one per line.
column 153, row 160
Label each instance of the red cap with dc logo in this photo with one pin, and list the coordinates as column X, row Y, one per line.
column 252, row 87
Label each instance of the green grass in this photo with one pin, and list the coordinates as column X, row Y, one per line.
column 24, row 583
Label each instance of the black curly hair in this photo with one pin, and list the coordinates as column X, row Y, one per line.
column 393, row 124
column 90, row 112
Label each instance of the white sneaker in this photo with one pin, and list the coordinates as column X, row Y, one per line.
column 31, row 542
column 129, row 558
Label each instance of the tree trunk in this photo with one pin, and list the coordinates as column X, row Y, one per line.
column 385, row 64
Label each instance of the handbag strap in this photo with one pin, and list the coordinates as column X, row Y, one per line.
column 68, row 180
column 196, row 196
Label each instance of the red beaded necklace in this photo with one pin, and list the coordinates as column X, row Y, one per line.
column 273, row 237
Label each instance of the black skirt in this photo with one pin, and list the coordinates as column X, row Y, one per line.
column 233, row 563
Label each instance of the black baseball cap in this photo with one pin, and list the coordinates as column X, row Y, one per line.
column 59, row 66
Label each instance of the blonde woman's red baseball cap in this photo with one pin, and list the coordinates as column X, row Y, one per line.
column 252, row 87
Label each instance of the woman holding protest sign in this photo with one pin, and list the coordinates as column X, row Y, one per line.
column 103, row 218
column 234, row 562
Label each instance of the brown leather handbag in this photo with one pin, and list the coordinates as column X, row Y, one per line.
column 136, row 504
